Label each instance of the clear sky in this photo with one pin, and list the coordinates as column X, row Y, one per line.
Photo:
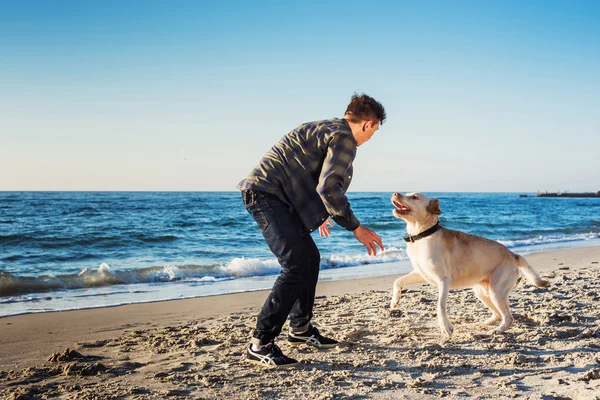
column 188, row 95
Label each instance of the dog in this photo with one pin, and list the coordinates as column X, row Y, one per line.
column 451, row 259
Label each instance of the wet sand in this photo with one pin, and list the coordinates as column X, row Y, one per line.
column 195, row 348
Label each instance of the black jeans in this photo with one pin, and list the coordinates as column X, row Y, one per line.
column 293, row 293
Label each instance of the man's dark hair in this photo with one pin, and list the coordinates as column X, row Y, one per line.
column 365, row 108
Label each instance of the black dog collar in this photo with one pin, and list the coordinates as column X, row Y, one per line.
column 424, row 234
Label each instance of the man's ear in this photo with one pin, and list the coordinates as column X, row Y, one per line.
column 434, row 207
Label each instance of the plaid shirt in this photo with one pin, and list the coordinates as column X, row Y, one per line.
column 310, row 169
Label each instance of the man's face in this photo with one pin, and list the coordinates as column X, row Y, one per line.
column 368, row 130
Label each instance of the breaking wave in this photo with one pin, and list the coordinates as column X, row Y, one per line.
column 242, row 267
column 104, row 275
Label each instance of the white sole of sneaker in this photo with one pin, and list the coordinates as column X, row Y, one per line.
column 271, row 366
column 321, row 347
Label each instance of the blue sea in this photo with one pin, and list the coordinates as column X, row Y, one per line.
column 74, row 250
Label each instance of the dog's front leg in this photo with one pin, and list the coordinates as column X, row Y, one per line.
column 445, row 325
column 408, row 279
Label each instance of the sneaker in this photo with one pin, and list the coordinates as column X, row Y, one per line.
column 313, row 338
column 270, row 356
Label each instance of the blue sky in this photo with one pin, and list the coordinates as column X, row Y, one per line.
column 188, row 95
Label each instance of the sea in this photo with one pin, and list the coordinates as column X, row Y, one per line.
column 76, row 250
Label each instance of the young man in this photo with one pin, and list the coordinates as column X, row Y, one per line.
column 293, row 190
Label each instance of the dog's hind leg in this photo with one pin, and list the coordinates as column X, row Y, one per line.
column 400, row 283
column 502, row 281
column 445, row 325
column 483, row 295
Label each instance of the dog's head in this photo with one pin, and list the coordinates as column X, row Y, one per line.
column 415, row 207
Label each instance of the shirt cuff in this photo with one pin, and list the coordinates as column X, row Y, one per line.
column 349, row 225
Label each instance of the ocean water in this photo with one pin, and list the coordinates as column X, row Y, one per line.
column 73, row 250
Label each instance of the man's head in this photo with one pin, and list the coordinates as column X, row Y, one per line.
column 365, row 115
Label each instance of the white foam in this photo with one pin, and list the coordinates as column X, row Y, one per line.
column 389, row 255
column 104, row 269
column 168, row 273
column 548, row 239
column 16, row 299
column 209, row 279
column 244, row 267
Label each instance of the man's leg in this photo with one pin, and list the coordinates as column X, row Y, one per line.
column 285, row 235
column 301, row 330
column 302, row 312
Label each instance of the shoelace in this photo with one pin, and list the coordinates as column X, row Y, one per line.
column 275, row 350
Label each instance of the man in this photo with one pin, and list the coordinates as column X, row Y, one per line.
column 293, row 190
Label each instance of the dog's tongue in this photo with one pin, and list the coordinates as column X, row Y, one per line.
column 401, row 207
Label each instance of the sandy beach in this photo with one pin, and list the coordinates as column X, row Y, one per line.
column 195, row 348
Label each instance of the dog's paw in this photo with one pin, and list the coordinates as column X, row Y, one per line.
column 447, row 329
column 499, row 330
column 394, row 303
column 504, row 325
column 491, row 320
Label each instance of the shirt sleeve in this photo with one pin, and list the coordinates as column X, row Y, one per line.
column 332, row 181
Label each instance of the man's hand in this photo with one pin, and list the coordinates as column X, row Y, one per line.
column 369, row 239
column 324, row 230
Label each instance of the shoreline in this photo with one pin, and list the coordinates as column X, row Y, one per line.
column 201, row 341
column 262, row 282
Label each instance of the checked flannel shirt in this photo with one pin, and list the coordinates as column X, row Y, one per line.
column 310, row 169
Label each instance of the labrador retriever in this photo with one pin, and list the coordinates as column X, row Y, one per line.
column 451, row 259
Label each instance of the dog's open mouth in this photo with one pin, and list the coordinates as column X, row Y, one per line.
column 400, row 207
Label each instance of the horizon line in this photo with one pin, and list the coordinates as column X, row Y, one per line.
column 234, row 191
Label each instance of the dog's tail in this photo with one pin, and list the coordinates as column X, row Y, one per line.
column 530, row 274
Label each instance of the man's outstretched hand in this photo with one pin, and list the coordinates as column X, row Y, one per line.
column 369, row 238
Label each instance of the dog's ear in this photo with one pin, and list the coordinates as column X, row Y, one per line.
column 434, row 207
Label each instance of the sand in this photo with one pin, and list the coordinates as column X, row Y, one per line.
column 195, row 348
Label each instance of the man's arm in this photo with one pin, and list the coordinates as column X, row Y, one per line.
column 340, row 154
column 338, row 160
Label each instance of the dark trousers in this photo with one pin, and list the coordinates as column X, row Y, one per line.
column 293, row 293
